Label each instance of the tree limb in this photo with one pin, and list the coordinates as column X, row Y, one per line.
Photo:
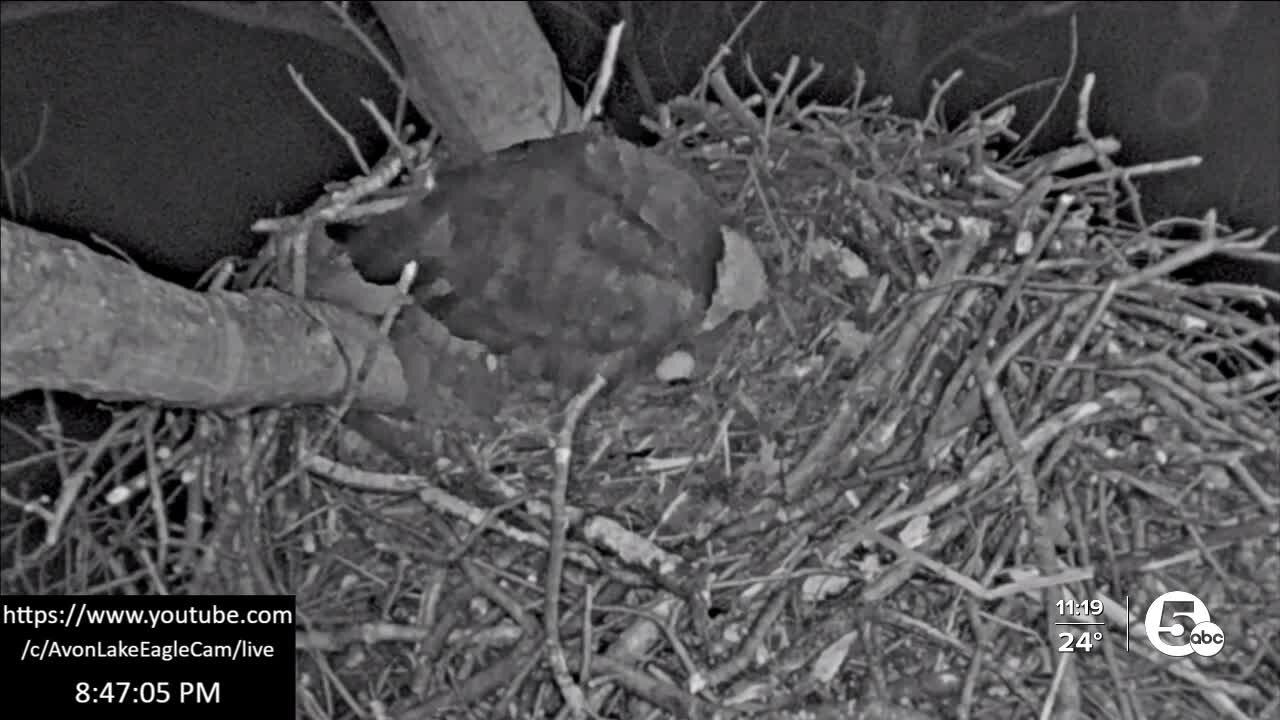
column 75, row 320
column 482, row 73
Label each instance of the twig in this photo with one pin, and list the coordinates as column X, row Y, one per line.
column 604, row 77
column 1206, row 246
column 32, row 507
column 993, row 28
column 352, row 146
column 9, row 173
column 700, row 90
column 745, row 655
column 408, row 274
column 1085, row 133
column 151, row 472
column 1061, row 677
column 781, row 92
column 73, row 482
column 730, row 100
column 1128, row 173
column 340, row 10
column 1058, row 94
column 1021, row 461
column 573, row 695
column 389, row 130
column 935, row 100
column 357, row 379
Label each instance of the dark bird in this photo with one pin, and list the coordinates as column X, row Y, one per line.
column 573, row 255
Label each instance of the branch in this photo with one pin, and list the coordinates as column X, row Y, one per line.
column 72, row 319
column 482, row 73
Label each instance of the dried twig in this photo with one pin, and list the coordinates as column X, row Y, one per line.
column 604, row 77
column 726, row 47
column 573, row 695
column 15, row 173
column 347, row 137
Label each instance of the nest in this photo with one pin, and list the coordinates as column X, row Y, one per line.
column 974, row 407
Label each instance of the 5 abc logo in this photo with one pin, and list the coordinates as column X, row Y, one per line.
column 1182, row 618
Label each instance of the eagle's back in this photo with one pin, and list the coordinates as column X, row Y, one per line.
column 573, row 254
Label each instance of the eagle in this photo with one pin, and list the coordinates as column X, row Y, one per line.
column 573, row 255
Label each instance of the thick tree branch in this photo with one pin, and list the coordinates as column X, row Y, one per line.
column 72, row 319
column 482, row 73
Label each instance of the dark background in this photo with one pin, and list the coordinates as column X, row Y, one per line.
column 168, row 132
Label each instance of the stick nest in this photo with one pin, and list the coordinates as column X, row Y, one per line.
column 974, row 400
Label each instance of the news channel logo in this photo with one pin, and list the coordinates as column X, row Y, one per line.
column 1178, row 625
